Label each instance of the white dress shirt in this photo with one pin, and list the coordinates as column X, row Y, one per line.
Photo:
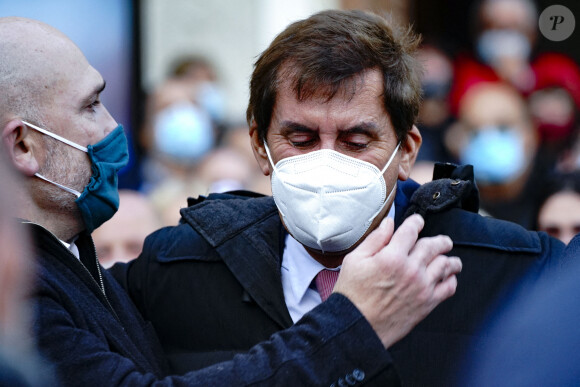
column 72, row 247
column 298, row 272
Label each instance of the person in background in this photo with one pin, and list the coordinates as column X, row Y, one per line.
column 554, row 105
column 67, row 149
column 177, row 134
column 496, row 134
column 559, row 210
column 332, row 111
column 434, row 113
column 221, row 169
column 505, row 33
column 120, row 239
column 200, row 76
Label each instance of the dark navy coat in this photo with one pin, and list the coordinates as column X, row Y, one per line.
column 538, row 335
column 96, row 338
column 223, row 263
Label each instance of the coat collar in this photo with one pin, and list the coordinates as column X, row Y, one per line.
column 248, row 236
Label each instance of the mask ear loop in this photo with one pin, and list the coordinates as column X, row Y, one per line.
column 270, row 157
column 56, row 136
column 67, row 189
column 391, row 159
column 68, row 142
column 394, row 189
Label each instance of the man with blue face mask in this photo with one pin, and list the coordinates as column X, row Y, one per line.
column 495, row 133
column 333, row 103
column 68, row 149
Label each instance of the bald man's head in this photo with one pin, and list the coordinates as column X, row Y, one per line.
column 47, row 82
column 31, row 58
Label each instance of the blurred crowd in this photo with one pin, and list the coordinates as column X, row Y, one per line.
column 512, row 113
column 505, row 108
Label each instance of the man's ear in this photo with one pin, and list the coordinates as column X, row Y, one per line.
column 409, row 151
column 18, row 145
column 259, row 150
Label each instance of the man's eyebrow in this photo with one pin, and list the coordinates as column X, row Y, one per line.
column 98, row 89
column 369, row 128
column 291, row 126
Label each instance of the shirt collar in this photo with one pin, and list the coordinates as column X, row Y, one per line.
column 301, row 268
column 72, row 247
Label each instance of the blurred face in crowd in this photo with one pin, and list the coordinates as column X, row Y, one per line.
column 506, row 38
column 435, row 83
column 560, row 215
column 121, row 238
column 518, row 15
column 496, row 105
column 495, row 134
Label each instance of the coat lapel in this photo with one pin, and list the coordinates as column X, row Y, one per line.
column 249, row 237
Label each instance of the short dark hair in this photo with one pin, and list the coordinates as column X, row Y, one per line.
column 325, row 53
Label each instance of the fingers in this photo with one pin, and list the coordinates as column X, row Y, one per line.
column 428, row 248
column 376, row 240
column 445, row 289
column 406, row 235
column 442, row 267
column 442, row 273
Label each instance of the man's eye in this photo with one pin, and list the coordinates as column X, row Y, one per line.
column 355, row 141
column 94, row 104
column 300, row 141
column 301, row 144
column 356, row 145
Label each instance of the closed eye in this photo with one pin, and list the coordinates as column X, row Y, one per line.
column 299, row 135
column 93, row 105
column 359, row 137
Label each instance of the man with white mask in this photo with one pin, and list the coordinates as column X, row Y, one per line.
column 67, row 148
column 333, row 102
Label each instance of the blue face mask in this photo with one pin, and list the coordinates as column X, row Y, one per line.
column 493, row 45
column 100, row 199
column 183, row 133
column 497, row 155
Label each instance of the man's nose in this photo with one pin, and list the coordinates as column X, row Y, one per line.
column 110, row 122
column 328, row 144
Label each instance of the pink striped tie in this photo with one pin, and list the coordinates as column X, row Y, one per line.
column 325, row 281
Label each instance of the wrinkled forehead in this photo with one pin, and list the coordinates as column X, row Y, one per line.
column 325, row 87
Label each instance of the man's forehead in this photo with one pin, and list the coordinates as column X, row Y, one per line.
column 291, row 84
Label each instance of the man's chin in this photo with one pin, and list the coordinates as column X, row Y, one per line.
column 331, row 253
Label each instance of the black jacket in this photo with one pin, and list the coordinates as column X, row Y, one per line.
column 223, row 265
column 96, row 338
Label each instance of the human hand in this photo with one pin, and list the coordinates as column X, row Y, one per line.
column 396, row 280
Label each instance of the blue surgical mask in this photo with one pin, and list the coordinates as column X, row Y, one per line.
column 497, row 155
column 210, row 98
column 493, row 45
column 183, row 133
column 100, row 198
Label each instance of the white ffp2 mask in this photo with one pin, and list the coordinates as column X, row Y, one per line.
column 328, row 200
